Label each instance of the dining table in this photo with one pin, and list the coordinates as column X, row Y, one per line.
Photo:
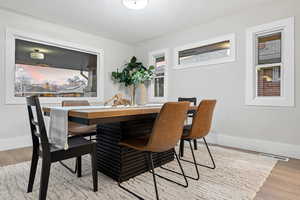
column 115, row 124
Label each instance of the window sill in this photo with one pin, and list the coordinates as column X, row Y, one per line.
column 271, row 101
column 206, row 63
column 50, row 100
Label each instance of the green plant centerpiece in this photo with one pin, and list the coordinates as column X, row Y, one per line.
column 133, row 74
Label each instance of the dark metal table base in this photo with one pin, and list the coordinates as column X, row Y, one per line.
column 122, row 163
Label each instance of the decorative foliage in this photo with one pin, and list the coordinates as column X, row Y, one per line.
column 133, row 73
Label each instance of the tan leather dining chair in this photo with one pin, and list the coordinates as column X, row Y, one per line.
column 78, row 130
column 166, row 133
column 199, row 129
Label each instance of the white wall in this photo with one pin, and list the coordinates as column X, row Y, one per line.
column 273, row 130
column 14, row 129
column 269, row 129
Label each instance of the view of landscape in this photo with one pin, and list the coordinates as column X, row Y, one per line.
column 49, row 81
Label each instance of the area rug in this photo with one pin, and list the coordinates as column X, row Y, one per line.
column 238, row 176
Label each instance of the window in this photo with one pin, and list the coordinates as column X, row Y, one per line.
column 215, row 51
column 270, row 64
column 160, row 64
column 158, row 87
column 50, row 70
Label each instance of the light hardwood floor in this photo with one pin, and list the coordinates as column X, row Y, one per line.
column 282, row 184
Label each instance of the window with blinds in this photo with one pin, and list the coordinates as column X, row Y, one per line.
column 269, row 64
column 213, row 51
column 204, row 53
column 158, row 88
column 160, row 64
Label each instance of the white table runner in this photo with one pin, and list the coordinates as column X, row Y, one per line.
column 58, row 129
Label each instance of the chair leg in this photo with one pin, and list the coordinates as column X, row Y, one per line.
column 210, row 155
column 46, row 164
column 181, row 174
column 195, row 145
column 129, row 191
column 151, row 166
column 94, row 169
column 195, row 163
column 68, row 168
column 181, row 148
column 186, row 176
column 34, row 162
column 79, row 167
column 151, row 170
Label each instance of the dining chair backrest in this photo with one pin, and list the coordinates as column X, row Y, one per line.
column 202, row 119
column 75, row 103
column 37, row 126
column 193, row 100
column 168, row 126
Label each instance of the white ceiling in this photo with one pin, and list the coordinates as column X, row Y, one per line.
column 109, row 18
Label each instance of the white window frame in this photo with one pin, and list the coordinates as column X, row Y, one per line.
column 231, row 58
column 152, row 55
column 275, row 74
column 13, row 34
column 286, row 26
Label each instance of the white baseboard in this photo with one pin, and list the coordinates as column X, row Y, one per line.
column 277, row 148
column 14, row 143
column 283, row 149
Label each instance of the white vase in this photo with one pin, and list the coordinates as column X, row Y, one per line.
column 133, row 95
column 141, row 94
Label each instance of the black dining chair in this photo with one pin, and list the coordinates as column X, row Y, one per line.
column 190, row 115
column 78, row 130
column 49, row 153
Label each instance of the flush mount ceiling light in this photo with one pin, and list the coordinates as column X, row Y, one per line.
column 135, row 4
column 37, row 55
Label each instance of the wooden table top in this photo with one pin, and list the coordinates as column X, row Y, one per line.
column 96, row 113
